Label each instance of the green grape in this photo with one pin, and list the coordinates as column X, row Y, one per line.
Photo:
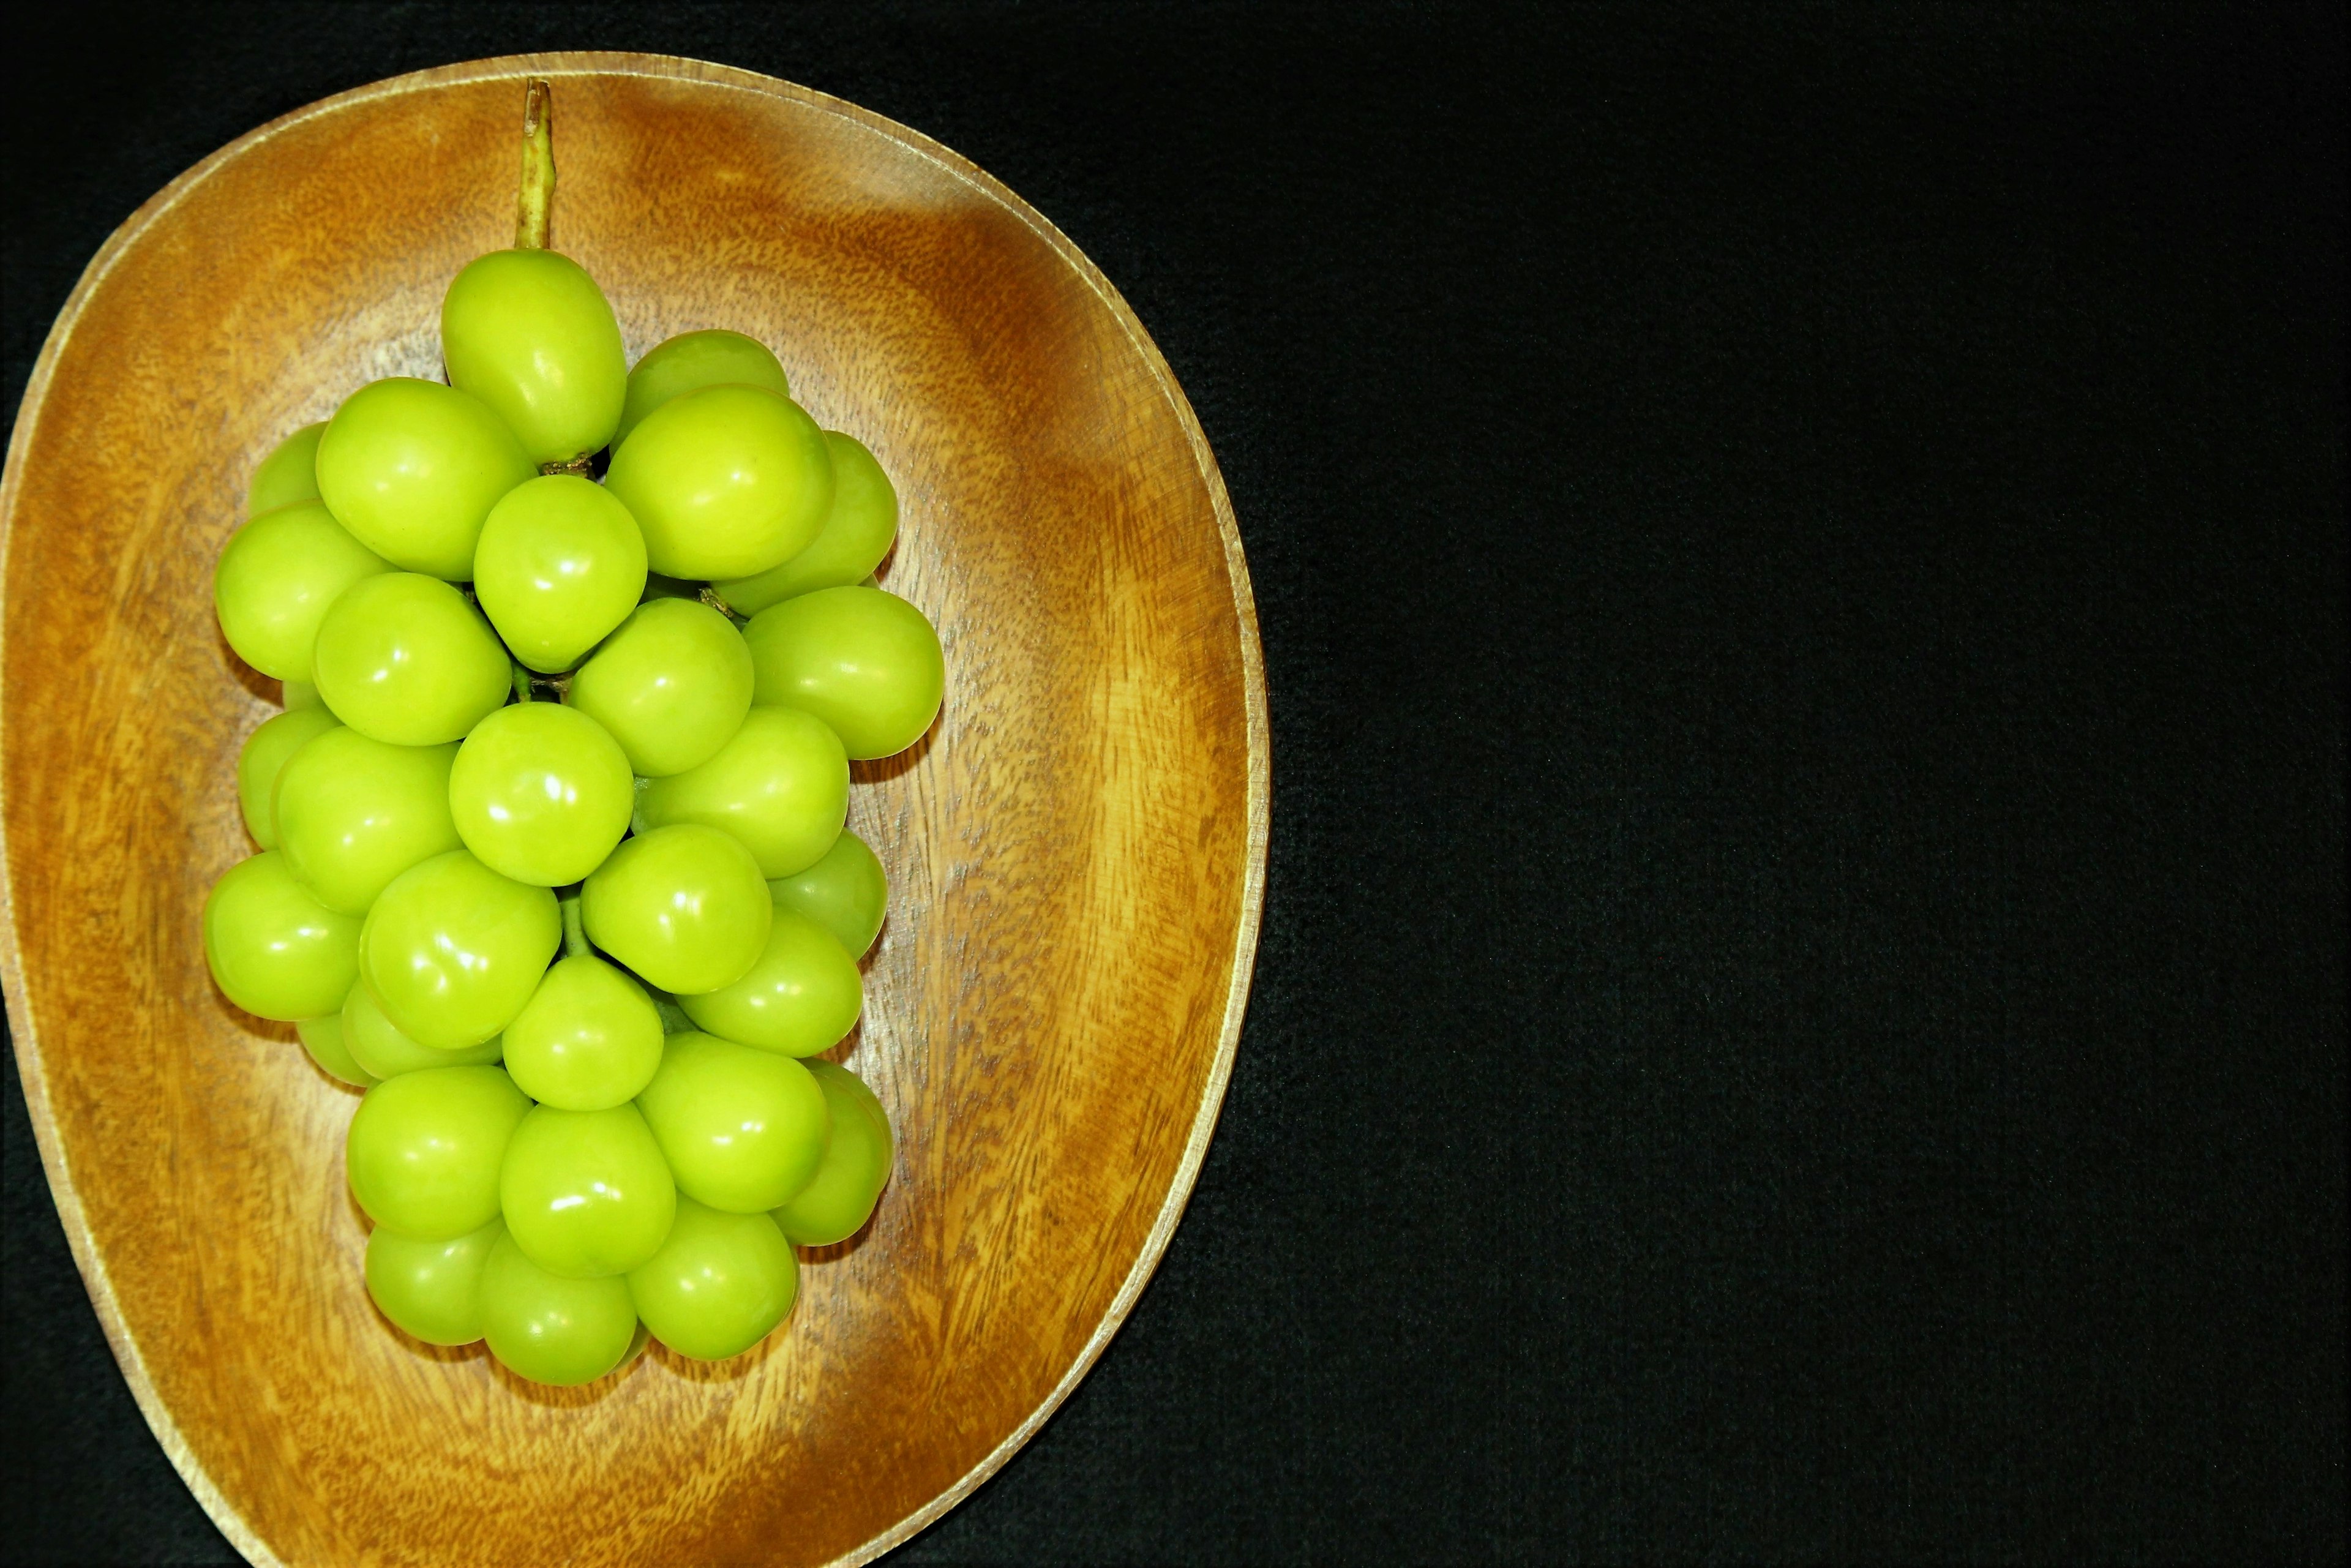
column 846, row 893
column 802, row 995
column 858, row 532
column 412, row 467
column 863, row 661
column 276, row 951
column 559, row 564
column 451, row 950
column 378, row 1048
column 289, row 473
column 529, row 333
column 550, row 1329
column 275, row 581
column 695, row 360
column 719, row 1285
column 352, row 813
column 323, row 1038
column 424, row 1149
column 295, row 696
column 780, row 786
column 431, row 1290
column 265, row 752
column 683, row 906
column 839, row 1199
column 586, row 1193
column 671, row 686
column 540, row 793
column 405, row 659
column 725, row 481
column 588, row 1038
column 744, row 1130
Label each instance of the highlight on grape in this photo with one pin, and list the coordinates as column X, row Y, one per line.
column 552, row 857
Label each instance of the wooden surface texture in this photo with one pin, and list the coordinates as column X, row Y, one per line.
column 1076, row 853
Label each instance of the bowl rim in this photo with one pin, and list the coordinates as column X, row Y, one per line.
column 25, row 1035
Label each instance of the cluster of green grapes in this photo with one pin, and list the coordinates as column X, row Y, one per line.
column 553, row 860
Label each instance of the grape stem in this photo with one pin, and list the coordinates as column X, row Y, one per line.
column 538, row 193
column 575, row 933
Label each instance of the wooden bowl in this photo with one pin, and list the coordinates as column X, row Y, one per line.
column 1076, row 853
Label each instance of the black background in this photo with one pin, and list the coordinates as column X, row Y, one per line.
column 1802, row 561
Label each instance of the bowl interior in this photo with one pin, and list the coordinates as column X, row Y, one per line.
column 1075, row 852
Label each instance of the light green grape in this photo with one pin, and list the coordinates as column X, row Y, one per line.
column 586, row 1193
column 295, row 696
column 323, row 1038
column 671, row 686
column 412, row 467
column 683, row 906
column 859, row 530
column 289, row 473
column 424, row 1150
column 780, row 786
column 802, row 995
column 559, row 564
column 352, row 813
column 840, row 1198
column 550, row 1329
column 378, row 1048
column 276, row 951
column 275, row 581
column 432, row 1289
column 529, row 333
column 863, row 661
column 451, row 950
column 847, row 892
column 725, row 481
column 719, row 1285
column 695, row 360
column 404, row 658
column 588, row 1038
column 743, row 1130
column 267, row 751
column 540, row 793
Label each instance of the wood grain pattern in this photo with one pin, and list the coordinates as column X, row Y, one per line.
column 1076, row 853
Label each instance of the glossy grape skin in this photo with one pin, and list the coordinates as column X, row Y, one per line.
column 378, row 1048
column 323, row 1038
column 276, row 951
column 719, row 1285
column 859, row 529
column 671, row 686
column 550, row 1329
column 684, row 908
column 404, row 658
column 865, row 662
column 779, row 786
column 840, row 1198
column 529, row 333
column 275, row 581
column 424, row 1150
column 451, row 950
column 691, row 360
column 847, row 892
column 267, row 750
column 540, row 793
column 353, row 813
column 586, row 1193
column 412, row 467
column 289, row 473
column 743, row 1130
column 801, row 995
column 725, row 482
column 588, row 1038
column 431, row 1290
column 559, row 564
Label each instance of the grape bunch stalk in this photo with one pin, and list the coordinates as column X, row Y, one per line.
column 553, row 863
